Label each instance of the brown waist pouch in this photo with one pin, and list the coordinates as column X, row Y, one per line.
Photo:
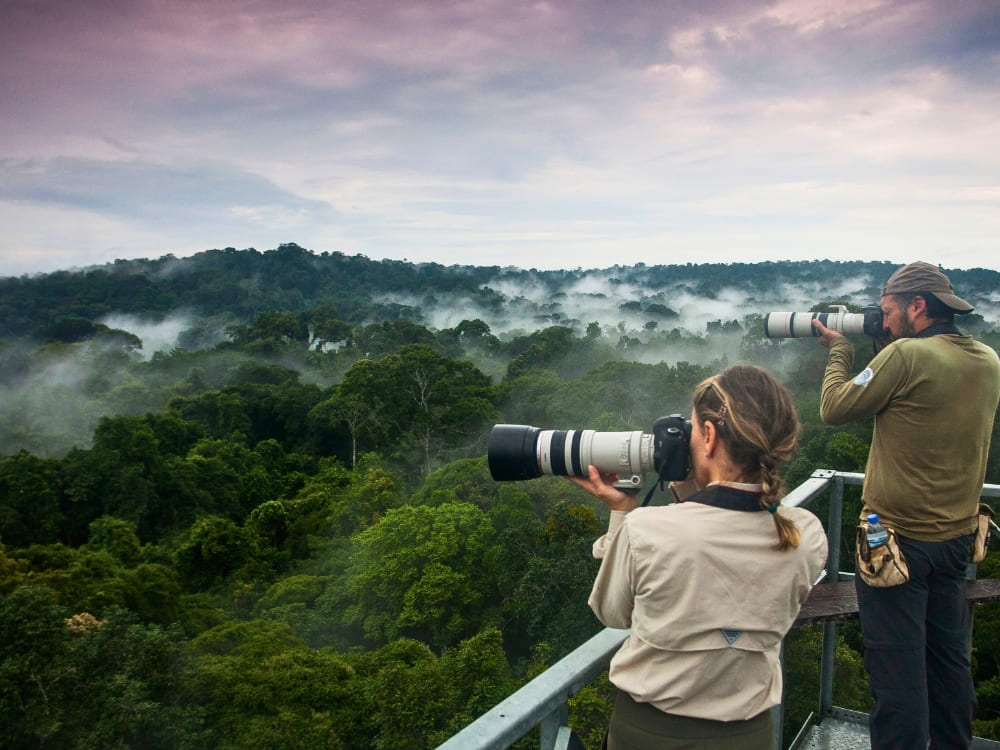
column 884, row 565
column 981, row 542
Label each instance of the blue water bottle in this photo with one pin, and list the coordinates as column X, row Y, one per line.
column 877, row 535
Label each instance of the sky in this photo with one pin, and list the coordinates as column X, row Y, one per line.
column 548, row 135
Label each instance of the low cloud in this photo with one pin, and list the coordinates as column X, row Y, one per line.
column 152, row 193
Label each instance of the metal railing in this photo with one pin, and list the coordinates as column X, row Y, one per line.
column 544, row 701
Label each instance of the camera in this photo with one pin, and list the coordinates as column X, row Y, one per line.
column 518, row 451
column 791, row 325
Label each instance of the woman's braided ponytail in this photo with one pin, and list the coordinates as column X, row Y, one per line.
column 756, row 419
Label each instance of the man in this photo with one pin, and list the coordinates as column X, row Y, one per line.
column 933, row 393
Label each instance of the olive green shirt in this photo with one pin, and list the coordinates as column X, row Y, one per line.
column 934, row 400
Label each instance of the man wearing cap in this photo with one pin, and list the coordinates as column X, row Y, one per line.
column 933, row 393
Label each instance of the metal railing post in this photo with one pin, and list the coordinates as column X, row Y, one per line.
column 549, row 727
column 832, row 564
column 778, row 712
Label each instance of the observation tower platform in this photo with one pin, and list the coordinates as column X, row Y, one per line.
column 543, row 702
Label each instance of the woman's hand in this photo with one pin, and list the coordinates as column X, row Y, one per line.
column 602, row 487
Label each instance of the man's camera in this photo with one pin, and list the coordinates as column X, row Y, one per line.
column 791, row 325
column 521, row 452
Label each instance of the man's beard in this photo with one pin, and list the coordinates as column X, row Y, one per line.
column 906, row 329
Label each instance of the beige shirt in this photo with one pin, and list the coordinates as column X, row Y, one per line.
column 708, row 601
column 934, row 400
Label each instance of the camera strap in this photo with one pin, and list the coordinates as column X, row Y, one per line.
column 721, row 496
column 728, row 498
column 661, row 482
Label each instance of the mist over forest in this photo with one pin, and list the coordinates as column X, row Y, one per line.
column 126, row 337
column 245, row 501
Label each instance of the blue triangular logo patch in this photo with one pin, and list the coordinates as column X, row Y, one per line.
column 731, row 635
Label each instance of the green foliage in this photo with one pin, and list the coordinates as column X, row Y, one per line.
column 116, row 537
column 30, row 500
column 285, row 533
column 612, row 396
column 469, row 679
column 419, row 401
column 261, row 687
column 846, row 452
column 78, row 681
column 590, row 711
column 803, row 650
column 465, row 480
column 548, row 599
column 422, row 572
column 11, row 572
column 386, row 338
column 212, row 549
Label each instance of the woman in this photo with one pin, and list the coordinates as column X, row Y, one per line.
column 710, row 585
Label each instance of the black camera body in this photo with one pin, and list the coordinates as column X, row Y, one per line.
column 517, row 452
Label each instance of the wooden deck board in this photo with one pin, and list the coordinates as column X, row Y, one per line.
column 833, row 602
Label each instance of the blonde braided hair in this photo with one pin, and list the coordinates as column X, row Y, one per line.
column 756, row 420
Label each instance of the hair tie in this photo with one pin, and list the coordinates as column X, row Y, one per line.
column 772, row 509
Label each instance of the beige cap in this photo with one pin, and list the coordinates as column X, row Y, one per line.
column 923, row 277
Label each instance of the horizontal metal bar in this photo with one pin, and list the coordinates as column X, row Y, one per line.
column 813, row 486
column 507, row 722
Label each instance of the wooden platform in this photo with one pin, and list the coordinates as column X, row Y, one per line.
column 832, row 602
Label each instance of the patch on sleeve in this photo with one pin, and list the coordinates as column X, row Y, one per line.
column 864, row 377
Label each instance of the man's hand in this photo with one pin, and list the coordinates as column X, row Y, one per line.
column 602, row 487
column 826, row 335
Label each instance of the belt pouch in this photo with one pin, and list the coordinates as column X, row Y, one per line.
column 883, row 566
column 981, row 542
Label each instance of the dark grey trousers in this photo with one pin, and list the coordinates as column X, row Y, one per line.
column 916, row 638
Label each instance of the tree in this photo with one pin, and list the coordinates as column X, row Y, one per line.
column 272, row 330
column 548, row 600
column 116, row 537
column 466, row 480
column 326, row 327
column 544, row 349
column 74, row 680
column 424, row 400
column 266, row 530
column 31, row 668
column 469, row 336
column 220, row 413
column 212, row 549
column 347, row 406
column 261, row 687
column 422, row 572
column 232, row 478
column 418, row 700
column 383, row 339
column 30, row 498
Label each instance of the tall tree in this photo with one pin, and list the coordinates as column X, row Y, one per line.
column 423, row 572
column 424, row 400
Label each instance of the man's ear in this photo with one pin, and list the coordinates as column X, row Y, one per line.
column 918, row 305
